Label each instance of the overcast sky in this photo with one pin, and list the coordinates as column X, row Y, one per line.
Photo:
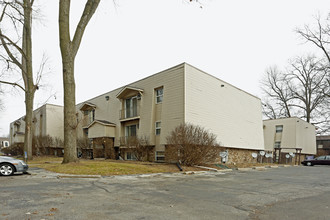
column 235, row 41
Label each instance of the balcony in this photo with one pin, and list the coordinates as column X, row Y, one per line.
column 129, row 113
column 128, row 141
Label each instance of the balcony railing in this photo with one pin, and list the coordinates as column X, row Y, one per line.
column 128, row 141
column 129, row 113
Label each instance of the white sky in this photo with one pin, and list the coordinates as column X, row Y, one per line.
column 235, row 41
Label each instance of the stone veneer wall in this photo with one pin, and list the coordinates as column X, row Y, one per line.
column 236, row 155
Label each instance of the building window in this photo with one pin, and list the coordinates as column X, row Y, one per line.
column 277, row 144
column 160, row 156
column 159, row 95
column 158, row 127
column 131, row 131
column 18, row 127
column 279, row 128
column 131, row 107
column 130, row 156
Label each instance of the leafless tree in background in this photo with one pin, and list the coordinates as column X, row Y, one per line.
column 69, row 48
column 16, row 54
column 307, row 77
column 299, row 91
column 275, row 87
column 319, row 35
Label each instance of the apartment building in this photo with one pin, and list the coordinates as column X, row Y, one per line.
column 289, row 135
column 47, row 120
column 323, row 145
column 152, row 107
column 4, row 142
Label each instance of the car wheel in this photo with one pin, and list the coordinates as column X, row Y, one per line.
column 6, row 169
column 309, row 163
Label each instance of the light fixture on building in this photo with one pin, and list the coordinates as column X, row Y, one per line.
column 107, row 98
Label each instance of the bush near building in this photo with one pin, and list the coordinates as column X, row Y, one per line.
column 191, row 145
column 15, row 150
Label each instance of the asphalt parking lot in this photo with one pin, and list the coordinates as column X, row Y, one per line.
column 275, row 193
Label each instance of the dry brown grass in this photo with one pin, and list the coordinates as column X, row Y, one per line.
column 104, row 167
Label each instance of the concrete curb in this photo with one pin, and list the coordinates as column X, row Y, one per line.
column 226, row 170
column 263, row 167
column 259, row 168
column 79, row 176
column 245, row 169
column 208, row 168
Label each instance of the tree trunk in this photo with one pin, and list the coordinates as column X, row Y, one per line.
column 27, row 74
column 69, row 50
column 29, row 97
column 70, row 118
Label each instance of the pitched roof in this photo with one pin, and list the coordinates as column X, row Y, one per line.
column 102, row 122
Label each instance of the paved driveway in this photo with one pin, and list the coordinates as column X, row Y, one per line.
column 276, row 193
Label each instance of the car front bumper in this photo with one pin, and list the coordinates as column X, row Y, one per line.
column 21, row 168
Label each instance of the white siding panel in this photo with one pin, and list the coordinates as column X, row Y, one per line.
column 232, row 114
column 296, row 134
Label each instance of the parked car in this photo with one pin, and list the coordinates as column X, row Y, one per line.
column 9, row 166
column 321, row 160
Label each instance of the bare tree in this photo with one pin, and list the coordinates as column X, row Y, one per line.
column 307, row 77
column 69, row 49
column 16, row 52
column 299, row 91
column 319, row 35
column 191, row 145
column 1, row 102
column 275, row 87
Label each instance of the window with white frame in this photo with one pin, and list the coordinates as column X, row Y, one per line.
column 160, row 155
column 158, row 127
column 130, row 156
column 279, row 128
column 131, row 130
column 91, row 115
column 131, row 107
column 159, row 95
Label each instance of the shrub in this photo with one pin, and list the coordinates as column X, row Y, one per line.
column 191, row 145
column 15, row 149
column 140, row 147
column 41, row 145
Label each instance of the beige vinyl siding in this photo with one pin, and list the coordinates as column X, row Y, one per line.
column 306, row 137
column 52, row 120
column 296, row 134
column 230, row 113
column 50, row 123
column 170, row 112
column 108, row 110
column 98, row 130
column 287, row 137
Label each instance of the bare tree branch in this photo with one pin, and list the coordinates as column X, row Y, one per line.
column 13, row 84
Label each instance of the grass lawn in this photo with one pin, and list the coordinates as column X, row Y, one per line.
column 103, row 167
